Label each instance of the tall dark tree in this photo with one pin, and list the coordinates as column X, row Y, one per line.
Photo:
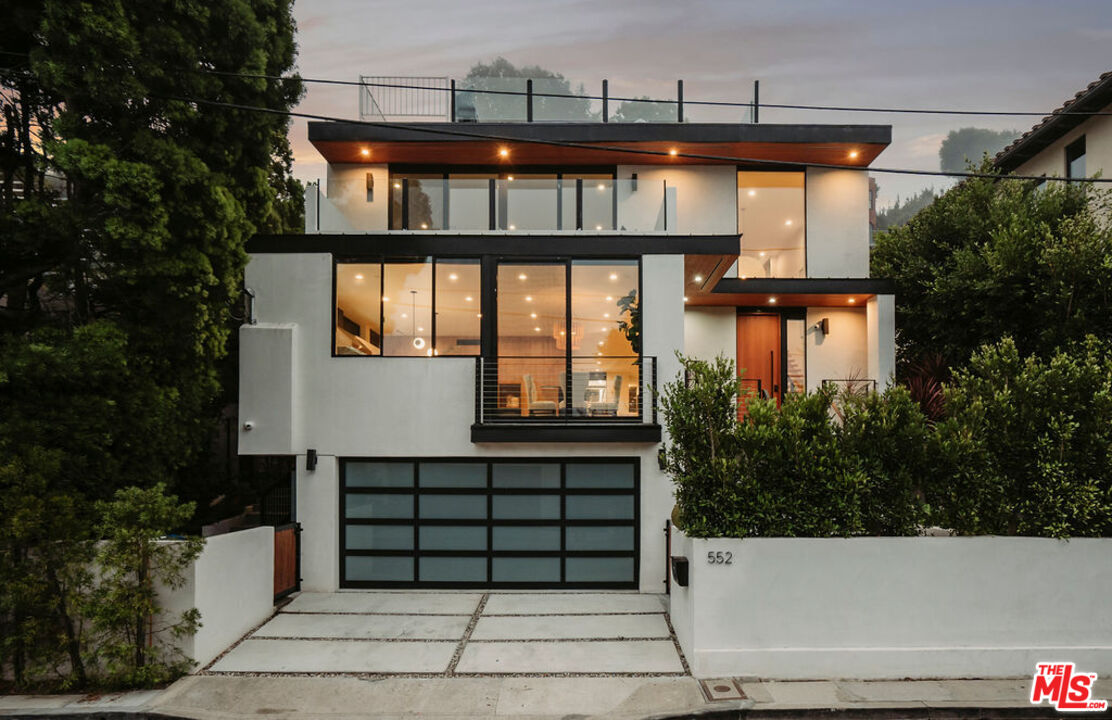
column 502, row 76
column 125, row 206
column 970, row 144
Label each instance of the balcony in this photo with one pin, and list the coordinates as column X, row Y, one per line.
column 565, row 399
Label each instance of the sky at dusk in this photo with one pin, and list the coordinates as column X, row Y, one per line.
column 965, row 54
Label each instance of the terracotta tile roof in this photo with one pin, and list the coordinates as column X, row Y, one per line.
column 1094, row 97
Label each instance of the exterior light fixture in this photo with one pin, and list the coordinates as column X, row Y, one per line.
column 504, row 152
column 852, row 154
column 752, row 193
column 852, row 301
column 510, row 178
column 772, row 301
column 398, row 185
column 673, row 152
column 522, row 276
column 698, row 278
column 685, row 298
column 365, row 152
column 601, row 187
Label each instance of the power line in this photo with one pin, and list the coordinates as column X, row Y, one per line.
column 633, row 151
column 667, row 101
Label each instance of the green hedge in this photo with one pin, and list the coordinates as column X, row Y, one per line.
column 1024, row 448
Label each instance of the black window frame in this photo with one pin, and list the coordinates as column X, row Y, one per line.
column 490, row 522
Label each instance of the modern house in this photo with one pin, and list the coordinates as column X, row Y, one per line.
column 464, row 349
column 1064, row 144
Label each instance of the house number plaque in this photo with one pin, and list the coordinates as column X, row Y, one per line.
column 719, row 557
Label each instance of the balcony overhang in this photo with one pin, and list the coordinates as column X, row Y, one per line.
column 544, row 144
column 533, row 432
column 442, row 244
column 792, row 292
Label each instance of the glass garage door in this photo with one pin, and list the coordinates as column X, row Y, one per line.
column 467, row 523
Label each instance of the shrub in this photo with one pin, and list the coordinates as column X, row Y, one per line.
column 1027, row 444
column 797, row 470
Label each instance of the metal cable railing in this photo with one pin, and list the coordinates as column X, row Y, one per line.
column 566, row 390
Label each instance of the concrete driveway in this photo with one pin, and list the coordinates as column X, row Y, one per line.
column 465, row 634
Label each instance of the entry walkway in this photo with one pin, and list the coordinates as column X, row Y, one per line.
column 464, row 634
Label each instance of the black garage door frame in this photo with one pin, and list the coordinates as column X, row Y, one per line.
column 563, row 522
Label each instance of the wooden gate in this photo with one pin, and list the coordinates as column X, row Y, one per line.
column 287, row 560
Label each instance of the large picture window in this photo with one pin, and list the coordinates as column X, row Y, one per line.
column 416, row 307
column 772, row 223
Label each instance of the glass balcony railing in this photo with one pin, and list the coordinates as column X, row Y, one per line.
column 568, row 203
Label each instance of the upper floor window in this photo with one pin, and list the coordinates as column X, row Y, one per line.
column 772, row 223
column 590, row 201
column 408, row 307
column 1075, row 158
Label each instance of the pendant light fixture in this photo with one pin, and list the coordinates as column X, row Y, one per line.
column 418, row 342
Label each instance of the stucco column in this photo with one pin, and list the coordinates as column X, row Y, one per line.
column 881, row 324
column 318, row 498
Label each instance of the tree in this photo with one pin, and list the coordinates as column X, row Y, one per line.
column 970, row 145
column 125, row 207
column 994, row 258
column 644, row 109
column 502, row 75
column 901, row 212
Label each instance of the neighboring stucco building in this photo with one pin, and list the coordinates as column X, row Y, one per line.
column 1067, row 145
column 464, row 350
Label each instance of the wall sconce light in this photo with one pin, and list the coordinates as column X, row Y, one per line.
column 680, row 567
column 311, row 459
column 370, row 187
column 823, row 326
column 633, row 182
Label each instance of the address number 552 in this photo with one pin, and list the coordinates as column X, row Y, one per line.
column 719, row 557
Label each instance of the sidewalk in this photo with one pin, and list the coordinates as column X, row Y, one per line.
column 543, row 698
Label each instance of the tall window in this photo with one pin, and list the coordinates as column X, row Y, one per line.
column 1075, row 158
column 408, row 307
column 772, row 223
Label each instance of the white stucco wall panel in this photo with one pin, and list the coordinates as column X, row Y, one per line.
column 875, row 608
column 705, row 197
column 1098, row 149
column 709, row 332
column 347, row 194
column 837, row 223
column 841, row 354
column 267, row 389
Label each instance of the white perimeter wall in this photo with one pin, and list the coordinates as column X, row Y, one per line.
column 837, row 223
column 930, row 607
column 232, row 584
column 404, row 407
column 843, row 353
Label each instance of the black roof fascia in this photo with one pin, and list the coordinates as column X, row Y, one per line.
column 806, row 286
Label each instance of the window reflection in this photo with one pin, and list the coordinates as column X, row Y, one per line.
column 772, row 223
column 605, row 338
column 358, row 309
column 407, row 308
column 795, row 368
column 532, row 312
column 458, row 316
column 418, row 201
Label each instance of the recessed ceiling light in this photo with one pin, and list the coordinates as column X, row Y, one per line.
column 358, row 276
column 852, row 301
column 453, row 276
column 609, row 298
column 787, row 222
column 537, row 329
column 600, row 342
column 467, row 299
column 600, row 354
column 533, row 315
column 424, row 226
column 522, row 276
column 513, row 227
column 528, row 298
column 852, row 154
column 752, row 193
column 398, row 185
column 385, row 299
column 365, row 152
column 504, row 152
column 743, row 277
column 613, row 276
column 761, row 253
column 698, row 278
column 772, row 301
column 561, row 332
column 420, row 329
column 685, row 298
column 510, row 178
column 601, row 186
column 478, row 315
column 405, row 315
column 673, row 152
column 606, row 315
column 598, row 227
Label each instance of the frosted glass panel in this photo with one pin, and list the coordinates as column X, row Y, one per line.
column 378, row 537
column 467, row 507
column 453, row 474
column 526, row 475
column 380, row 569
column 453, row 569
column 379, row 506
column 447, row 537
column 599, row 570
column 596, row 507
column 372, row 474
column 599, row 538
column 526, row 570
column 527, row 507
column 599, row 475
column 526, row 538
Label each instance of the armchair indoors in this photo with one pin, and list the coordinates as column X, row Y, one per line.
column 609, row 406
column 537, row 406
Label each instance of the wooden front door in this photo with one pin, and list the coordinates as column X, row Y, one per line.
column 758, row 354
